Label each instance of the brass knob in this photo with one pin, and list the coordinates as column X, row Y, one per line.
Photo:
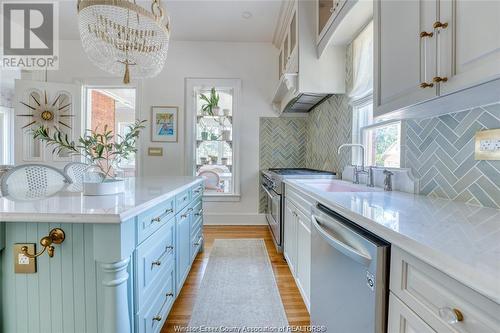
column 157, row 318
column 426, row 85
column 426, row 34
column 440, row 79
column 440, row 25
column 458, row 313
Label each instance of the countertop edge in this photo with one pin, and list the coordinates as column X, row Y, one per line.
column 111, row 218
column 437, row 259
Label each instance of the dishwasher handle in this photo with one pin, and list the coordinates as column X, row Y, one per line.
column 346, row 249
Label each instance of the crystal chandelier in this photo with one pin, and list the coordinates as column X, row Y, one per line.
column 122, row 37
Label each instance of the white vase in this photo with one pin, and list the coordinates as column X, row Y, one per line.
column 107, row 187
column 216, row 111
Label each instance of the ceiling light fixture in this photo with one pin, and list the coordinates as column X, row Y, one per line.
column 121, row 37
column 246, row 15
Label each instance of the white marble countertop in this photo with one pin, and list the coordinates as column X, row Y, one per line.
column 66, row 206
column 460, row 240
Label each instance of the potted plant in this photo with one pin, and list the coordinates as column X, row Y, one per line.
column 211, row 106
column 102, row 150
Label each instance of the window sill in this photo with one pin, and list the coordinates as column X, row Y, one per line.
column 221, row 197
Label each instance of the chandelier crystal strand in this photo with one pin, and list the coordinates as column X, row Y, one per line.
column 121, row 37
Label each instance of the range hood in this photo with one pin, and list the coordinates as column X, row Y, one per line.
column 289, row 99
column 305, row 102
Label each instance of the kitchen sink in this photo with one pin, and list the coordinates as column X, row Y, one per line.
column 337, row 186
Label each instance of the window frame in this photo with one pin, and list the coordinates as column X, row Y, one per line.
column 191, row 85
column 380, row 124
column 7, row 127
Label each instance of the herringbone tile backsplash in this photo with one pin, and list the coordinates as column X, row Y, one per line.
column 440, row 151
column 282, row 144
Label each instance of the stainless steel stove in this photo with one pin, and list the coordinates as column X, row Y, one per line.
column 272, row 183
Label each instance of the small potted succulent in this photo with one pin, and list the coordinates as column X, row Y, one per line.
column 211, row 106
column 102, row 150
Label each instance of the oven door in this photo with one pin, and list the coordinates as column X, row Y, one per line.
column 273, row 213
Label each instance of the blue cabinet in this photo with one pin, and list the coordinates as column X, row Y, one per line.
column 183, row 238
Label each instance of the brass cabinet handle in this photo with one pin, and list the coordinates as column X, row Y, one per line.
column 451, row 315
column 157, row 318
column 56, row 236
column 426, row 85
column 439, row 79
column 441, row 25
column 424, row 34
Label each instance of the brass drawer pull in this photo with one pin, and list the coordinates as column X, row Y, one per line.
column 440, row 25
column 424, row 34
column 426, row 85
column 451, row 315
column 440, row 79
column 157, row 318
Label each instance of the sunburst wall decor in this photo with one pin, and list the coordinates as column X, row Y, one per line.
column 47, row 114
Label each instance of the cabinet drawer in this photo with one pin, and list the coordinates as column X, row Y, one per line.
column 154, row 258
column 153, row 316
column 197, row 192
column 153, row 219
column 433, row 295
column 182, row 200
column 302, row 201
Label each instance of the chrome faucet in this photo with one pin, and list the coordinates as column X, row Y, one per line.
column 357, row 171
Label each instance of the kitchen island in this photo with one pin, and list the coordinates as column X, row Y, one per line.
column 123, row 261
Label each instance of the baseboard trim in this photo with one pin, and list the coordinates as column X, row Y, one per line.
column 234, row 219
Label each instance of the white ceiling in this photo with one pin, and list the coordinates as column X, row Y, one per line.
column 201, row 20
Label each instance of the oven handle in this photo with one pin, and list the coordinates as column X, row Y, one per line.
column 269, row 192
column 341, row 246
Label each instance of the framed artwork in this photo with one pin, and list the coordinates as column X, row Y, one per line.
column 164, row 123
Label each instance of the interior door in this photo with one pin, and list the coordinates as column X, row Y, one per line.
column 44, row 104
column 403, row 60
column 470, row 45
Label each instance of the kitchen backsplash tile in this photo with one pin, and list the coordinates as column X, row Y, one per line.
column 282, row 145
column 440, row 152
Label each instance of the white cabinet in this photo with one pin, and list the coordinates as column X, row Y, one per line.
column 443, row 303
column 288, row 61
column 470, row 48
column 290, row 235
column 297, row 237
column 303, row 267
column 403, row 320
column 429, row 51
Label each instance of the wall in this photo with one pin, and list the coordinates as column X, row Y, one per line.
column 103, row 111
column 440, row 152
column 254, row 63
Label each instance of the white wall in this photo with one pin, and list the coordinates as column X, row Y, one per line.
column 254, row 63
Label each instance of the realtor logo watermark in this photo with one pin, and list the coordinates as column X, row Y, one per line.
column 30, row 35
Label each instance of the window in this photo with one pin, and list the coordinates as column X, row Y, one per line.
column 6, row 125
column 114, row 107
column 212, row 133
column 382, row 140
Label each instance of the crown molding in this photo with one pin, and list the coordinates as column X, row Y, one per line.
column 282, row 24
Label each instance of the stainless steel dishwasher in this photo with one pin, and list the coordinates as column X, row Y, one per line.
column 349, row 275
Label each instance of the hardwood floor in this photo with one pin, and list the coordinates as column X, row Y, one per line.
column 295, row 308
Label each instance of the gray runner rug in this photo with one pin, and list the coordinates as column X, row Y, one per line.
column 238, row 288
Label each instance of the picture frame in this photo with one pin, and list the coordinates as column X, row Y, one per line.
column 164, row 123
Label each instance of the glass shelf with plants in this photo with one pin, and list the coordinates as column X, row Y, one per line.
column 214, row 146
